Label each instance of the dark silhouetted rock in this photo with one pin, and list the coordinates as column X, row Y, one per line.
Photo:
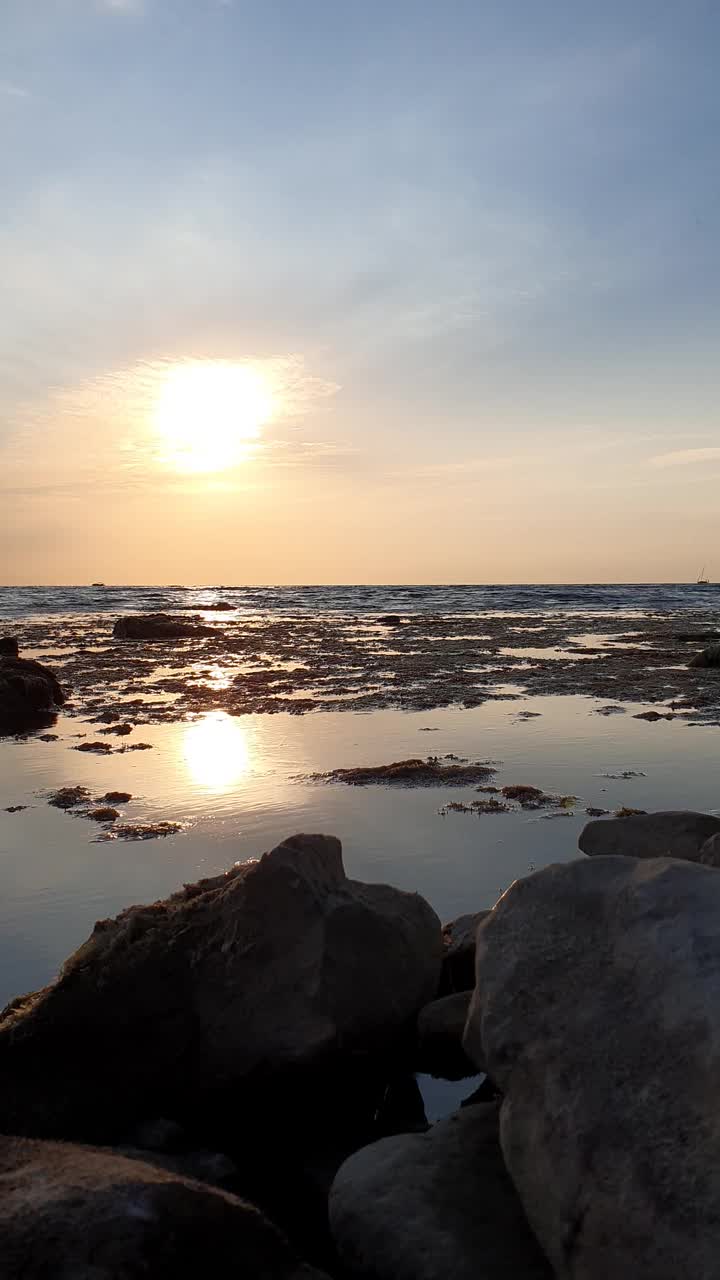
column 69, row 1211
column 710, row 657
column 8, row 647
column 159, row 626
column 654, row 716
column 440, row 1028
column 596, row 1011
column 434, row 1206
column 279, row 966
column 30, row 695
column 458, row 967
column 673, row 834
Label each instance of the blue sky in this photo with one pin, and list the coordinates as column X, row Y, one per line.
column 482, row 236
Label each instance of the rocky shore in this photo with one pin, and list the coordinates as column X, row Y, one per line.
column 242, row 1058
column 162, row 667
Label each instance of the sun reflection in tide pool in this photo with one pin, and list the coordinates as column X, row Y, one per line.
column 216, row 752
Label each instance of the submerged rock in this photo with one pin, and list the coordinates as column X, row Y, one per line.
column 673, row 834
column 68, row 797
column 596, row 1011
column 103, row 814
column 70, row 1211
column 272, row 969
column 411, row 773
column 142, row 830
column 30, row 695
column 434, row 1206
column 159, row 626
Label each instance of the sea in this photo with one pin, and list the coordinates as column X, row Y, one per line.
column 456, row 599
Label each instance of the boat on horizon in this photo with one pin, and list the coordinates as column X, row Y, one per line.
column 702, row 580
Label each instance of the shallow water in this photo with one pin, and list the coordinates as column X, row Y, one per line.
column 240, row 784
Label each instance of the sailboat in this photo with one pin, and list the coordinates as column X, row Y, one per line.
column 702, row 580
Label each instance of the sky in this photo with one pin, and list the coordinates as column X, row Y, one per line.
column 326, row 291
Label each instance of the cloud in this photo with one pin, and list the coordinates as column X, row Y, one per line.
column 10, row 90
column 109, row 438
column 123, row 6
column 685, row 457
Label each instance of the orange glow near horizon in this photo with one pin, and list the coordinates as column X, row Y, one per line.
column 207, row 413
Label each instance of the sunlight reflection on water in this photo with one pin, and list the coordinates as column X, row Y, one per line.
column 216, row 752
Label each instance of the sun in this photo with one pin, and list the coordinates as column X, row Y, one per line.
column 208, row 412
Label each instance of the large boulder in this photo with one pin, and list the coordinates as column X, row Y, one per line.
column 596, row 1009
column 159, row 626
column 30, row 694
column 68, row 1211
column 674, row 834
column 434, row 1206
column 278, row 967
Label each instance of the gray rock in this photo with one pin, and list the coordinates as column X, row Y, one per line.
column 440, row 1028
column 710, row 852
column 434, row 1206
column 159, row 626
column 597, row 1012
column 673, row 834
column 458, row 970
column 75, row 1212
column 279, row 966
column 30, row 694
column 710, row 657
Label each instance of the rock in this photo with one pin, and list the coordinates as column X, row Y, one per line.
column 116, row 797
column 77, row 1212
column 434, row 1206
column 270, row 971
column 159, row 626
column 654, row 716
column 440, row 1028
column 69, row 797
column 596, row 1010
column 458, row 966
column 673, row 834
column 30, row 695
column 710, row 657
column 391, row 620
column 410, row 773
column 8, row 647
column 710, row 852
column 105, row 813
column 94, row 748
